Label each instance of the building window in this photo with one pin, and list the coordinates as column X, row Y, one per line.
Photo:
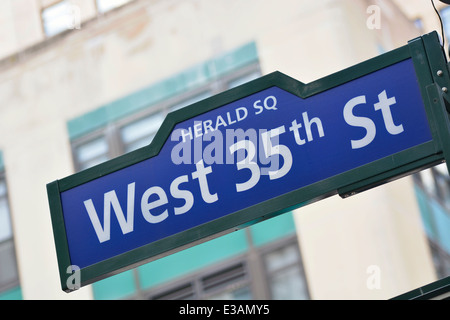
column 5, row 221
column 233, row 279
column 441, row 260
column 285, row 274
column 436, row 183
column 139, row 129
column 9, row 277
column 141, row 132
column 60, row 17
column 92, row 152
column 442, row 180
column 107, row 5
column 65, row 15
column 230, row 282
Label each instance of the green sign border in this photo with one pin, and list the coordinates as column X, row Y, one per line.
column 438, row 290
column 428, row 57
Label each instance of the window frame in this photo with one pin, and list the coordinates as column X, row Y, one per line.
column 194, row 279
column 441, row 259
column 269, row 275
column 10, row 241
column 435, row 192
column 97, row 6
column 96, row 14
column 43, row 21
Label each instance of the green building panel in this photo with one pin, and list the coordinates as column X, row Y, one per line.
column 194, row 259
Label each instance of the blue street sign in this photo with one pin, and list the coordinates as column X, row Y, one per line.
column 247, row 155
column 346, row 127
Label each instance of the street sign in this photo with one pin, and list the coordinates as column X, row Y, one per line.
column 251, row 153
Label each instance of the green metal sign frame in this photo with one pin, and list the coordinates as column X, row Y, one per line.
column 438, row 290
column 432, row 73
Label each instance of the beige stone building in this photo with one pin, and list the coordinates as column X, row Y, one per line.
column 84, row 81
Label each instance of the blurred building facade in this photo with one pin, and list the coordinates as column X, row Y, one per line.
column 84, row 81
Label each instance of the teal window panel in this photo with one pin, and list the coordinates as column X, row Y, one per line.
column 12, row 294
column 239, row 58
column 87, row 123
column 2, row 164
column 273, row 229
column 426, row 212
column 192, row 259
column 442, row 220
column 116, row 287
column 435, row 219
column 187, row 80
column 153, row 94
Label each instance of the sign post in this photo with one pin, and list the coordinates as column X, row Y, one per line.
column 251, row 153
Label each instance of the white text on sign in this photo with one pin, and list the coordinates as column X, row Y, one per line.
column 263, row 161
